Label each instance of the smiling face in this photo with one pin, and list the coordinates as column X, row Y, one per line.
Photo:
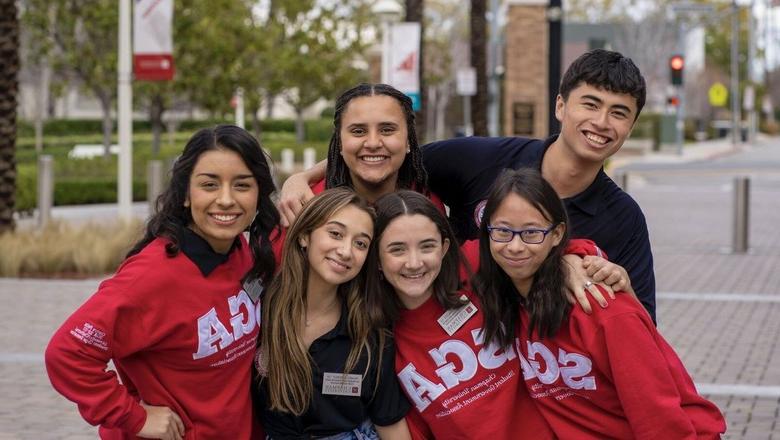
column 411, row 250
column 374, row 142
column 595, row 122
column 521, row 260
column 337, row 249
column 222, row 198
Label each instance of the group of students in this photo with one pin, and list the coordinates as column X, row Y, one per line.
column 374, row 315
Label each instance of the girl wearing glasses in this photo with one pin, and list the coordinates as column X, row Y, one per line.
column 609, row 374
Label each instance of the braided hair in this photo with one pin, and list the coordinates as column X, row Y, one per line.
column 411, row 175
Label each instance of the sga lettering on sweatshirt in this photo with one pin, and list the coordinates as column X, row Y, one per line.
column 541, row 363
column 213, row 334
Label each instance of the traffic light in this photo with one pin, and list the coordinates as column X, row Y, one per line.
column 676, row 65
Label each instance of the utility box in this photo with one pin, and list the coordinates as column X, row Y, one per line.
column 668, row 129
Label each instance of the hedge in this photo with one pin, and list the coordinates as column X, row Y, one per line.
column 316, row 129
column 73, row 192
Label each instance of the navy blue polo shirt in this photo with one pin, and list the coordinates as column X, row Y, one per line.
column 383, row 403
column 462, row 170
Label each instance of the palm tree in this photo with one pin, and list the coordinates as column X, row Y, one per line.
column 478, row 42
column 9, row 85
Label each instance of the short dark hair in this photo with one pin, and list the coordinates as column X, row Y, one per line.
column 546, row 302
column 170, row 215
column 411, row 175
column 382, row 301
column 606, row 70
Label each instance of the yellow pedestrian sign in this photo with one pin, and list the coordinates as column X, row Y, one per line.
column 718, row 95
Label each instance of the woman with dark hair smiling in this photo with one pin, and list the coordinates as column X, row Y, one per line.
column 180, row 317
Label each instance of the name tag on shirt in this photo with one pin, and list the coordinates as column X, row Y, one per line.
column 254, row 289
column 340, row 384
column 454, row 319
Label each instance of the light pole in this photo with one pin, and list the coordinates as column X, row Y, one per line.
column 388, row 12
column 494, row 69
column 736, row 117
column 125, row 113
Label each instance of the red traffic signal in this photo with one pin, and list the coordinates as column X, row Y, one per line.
column 676, row 65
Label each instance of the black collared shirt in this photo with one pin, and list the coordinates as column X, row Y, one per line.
column 197, row 249
column 329, row 414
column 462, row 170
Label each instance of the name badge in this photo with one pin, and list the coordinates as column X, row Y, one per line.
column 454, row 319
column 339, row 384
column 254, row 289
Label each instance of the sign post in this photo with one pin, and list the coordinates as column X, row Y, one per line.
column 152, row 40
column 718, row 95
column 404, row 60
column 466, row 86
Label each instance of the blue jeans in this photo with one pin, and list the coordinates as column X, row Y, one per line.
column 364, row 431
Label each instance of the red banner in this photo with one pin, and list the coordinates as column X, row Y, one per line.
column 152, row 40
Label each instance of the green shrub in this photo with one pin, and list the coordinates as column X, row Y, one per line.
column 88, row 191
column 328, row 113
column 58, row 127
column 318, row 130
column 648, row 126
column 26, row 187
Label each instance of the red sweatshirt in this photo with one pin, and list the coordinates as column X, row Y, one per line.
column 612, row 375
column 461, row 389
column 177, row 338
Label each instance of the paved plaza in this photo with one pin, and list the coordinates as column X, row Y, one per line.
column 720, row 311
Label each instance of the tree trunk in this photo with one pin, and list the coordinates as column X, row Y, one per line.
column 9, row 86
column 269, row 106
column 414, row 12
column 108, row 123
column 300, row 131
column 156, row 110
column 479, row 63
column 257, row 129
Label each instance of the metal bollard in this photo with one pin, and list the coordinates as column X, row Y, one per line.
column 154, row 183
column 288, row 160
column 621, row 179
column 45, row 189
column 741, row 214
column 309, row 158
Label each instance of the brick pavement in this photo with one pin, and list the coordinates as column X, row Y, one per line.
column 721, row 312
column 30, row 408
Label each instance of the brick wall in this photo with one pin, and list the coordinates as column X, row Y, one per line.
column 526, row 56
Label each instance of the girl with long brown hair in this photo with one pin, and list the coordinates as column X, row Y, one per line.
column 323, row 369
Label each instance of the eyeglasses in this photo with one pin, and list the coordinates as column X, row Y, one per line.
column 501, row 234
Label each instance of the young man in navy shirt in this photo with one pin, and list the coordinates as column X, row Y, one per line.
column 601, row 96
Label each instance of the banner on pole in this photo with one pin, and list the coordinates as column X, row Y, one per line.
column 153, row 40
column 405, row 60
